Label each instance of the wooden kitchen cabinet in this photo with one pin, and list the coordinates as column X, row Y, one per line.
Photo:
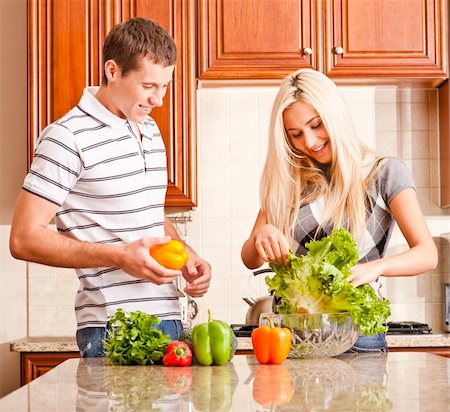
column 262, row 39
column 65, row 40
column 257, row 39
column 35, row 364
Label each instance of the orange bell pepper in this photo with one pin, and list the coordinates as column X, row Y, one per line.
column 272, row 385
column 271, row 344
column 171, row 255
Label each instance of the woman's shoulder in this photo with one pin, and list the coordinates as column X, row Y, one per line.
column 392, row 175
column 388, row 166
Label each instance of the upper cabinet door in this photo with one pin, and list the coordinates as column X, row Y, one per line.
column 65, row 41
column 387, row 38
column 258, row 39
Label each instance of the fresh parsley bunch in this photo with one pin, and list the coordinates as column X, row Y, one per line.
column 317, row 283
column 134, row 340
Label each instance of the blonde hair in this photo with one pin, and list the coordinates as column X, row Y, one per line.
column 290, row 179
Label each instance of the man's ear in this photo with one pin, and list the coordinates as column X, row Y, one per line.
column 112, row 70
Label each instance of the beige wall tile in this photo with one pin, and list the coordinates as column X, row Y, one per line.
column 387, row 143
column 222, row 312
column 66, row 290
column 36, row 270
column 66, row 323
column 216, row 204
column 421, row 172
column 423, row 195
column 42, row 292
column 386, row 117
column 240, row 231
column 420, row 312
column 42, row 320
column 243, row 175
column 213, row 125
column 244, row 204
column 398, row 312
column 385, row 94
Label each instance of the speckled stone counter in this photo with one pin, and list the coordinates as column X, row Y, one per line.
column 367, row 382
column 68, row 344
column 45, row 344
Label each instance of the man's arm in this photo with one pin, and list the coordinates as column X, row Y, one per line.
column 31, row 240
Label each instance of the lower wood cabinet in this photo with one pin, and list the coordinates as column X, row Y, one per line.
column 35, row 364
column 441, row 351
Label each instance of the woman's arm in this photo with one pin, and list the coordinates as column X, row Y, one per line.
column 266, row 243
column 31, row 240
column 422, row 255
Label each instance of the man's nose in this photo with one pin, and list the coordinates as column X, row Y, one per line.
column 156, row 99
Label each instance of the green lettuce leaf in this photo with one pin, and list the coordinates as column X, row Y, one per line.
column 317, row 283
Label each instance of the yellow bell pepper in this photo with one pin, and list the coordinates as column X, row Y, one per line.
column 171, row 255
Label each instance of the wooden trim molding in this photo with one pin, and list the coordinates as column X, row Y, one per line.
column 65, row 41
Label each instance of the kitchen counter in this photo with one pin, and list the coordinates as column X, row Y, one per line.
column 367, row 382
column 68, row 344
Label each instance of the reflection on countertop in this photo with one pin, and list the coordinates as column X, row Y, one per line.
column 350, row 382
column 68, row 344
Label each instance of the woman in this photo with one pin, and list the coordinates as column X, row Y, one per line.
column 318, row 176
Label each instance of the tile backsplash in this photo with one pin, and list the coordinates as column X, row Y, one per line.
column 232, row 144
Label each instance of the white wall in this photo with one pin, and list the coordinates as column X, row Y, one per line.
column 13, row 166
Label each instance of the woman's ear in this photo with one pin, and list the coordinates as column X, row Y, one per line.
column 112, row 70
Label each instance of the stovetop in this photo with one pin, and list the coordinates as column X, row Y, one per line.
column 394, row 328
column 407, row 328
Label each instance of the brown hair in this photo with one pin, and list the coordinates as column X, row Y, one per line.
column 138, row 37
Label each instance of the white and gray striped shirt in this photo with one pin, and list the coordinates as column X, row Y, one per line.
column 110, row 188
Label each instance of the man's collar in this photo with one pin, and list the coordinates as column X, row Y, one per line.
column 91, row 105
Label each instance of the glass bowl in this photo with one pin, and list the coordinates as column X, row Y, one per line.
column 316, row 335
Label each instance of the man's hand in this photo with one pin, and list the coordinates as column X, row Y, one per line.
column 197, row 274
column 137, row 261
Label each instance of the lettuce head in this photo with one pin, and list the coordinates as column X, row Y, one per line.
column 317, row 283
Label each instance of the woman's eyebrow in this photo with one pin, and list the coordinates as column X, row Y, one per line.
column 308, row 122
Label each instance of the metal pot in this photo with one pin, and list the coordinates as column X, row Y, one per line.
column 263, row 304
column 258, row 306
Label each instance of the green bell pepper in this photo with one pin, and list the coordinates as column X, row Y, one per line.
column 212, row 342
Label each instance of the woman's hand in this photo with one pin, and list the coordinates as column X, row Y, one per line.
column 366, row 272
column 271, row 244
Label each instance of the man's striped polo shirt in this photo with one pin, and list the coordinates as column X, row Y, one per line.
column 110, row 188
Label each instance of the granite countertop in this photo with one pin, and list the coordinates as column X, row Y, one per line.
column 368, row 382
column 68, row 344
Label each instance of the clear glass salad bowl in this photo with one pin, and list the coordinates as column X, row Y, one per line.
column 316, row 335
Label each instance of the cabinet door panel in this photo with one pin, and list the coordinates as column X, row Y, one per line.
column 256, row 38
column 400, row 38
column 65, row 55
column 35, row 364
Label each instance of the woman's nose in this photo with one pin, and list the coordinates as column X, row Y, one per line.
column 310, row 139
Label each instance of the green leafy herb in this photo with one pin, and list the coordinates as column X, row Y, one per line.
column 134, row 340
column 317, row 283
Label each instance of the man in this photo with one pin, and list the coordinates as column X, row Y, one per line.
column 100, row 172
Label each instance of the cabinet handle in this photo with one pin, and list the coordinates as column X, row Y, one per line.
column 307, row 51
column 338, row 50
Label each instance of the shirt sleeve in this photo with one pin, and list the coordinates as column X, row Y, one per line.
column 393, row 178
column 56, row 166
